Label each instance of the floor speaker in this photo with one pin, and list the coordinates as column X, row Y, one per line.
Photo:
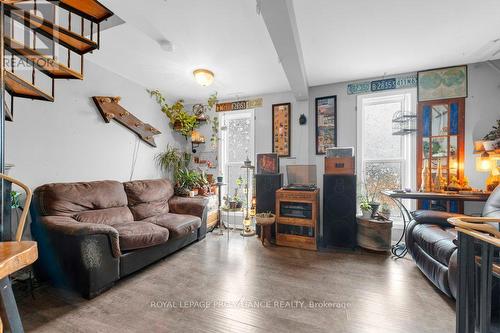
column 339, row 211
column 265, row 193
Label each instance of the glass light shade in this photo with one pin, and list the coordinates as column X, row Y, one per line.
column 203, row 77
column 483, row 164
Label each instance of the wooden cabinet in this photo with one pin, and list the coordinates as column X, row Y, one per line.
column 440, row 145
column 297, row 218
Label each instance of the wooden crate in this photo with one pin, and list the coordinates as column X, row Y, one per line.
column 339, row 166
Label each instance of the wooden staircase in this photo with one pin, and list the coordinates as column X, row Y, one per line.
column 38, row 49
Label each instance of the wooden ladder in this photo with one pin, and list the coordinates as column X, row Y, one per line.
column 38, row 50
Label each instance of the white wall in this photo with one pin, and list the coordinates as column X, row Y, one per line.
column 69, row 141
column 263, row 128
column 482, row 109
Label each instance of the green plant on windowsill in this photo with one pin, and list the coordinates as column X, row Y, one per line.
column 365, row 206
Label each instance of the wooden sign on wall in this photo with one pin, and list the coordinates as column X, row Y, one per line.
column 110, row 109
column 239, row 105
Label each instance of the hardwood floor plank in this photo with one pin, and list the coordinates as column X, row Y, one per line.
column 366, row 292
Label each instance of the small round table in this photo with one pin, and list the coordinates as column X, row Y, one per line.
column 374, row 234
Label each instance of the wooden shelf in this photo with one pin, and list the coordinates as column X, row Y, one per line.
column 19, row 87
column 44, row 63
column 66, row 38
column 90, row 9
column 287, row 238
column 11, row 2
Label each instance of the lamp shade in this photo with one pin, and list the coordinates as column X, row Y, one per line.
column 483, row 163
column 203, row 77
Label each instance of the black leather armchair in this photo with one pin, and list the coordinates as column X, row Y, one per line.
column 431, row 241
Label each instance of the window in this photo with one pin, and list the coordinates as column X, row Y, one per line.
column 386, row 161
column 237, row 143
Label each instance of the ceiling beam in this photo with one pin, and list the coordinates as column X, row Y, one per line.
column 279, row 17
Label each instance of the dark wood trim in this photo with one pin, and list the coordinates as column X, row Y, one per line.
column 316, row 121
column 52, row 31
column 80, row 12
column 289, row 128
column 460, row 139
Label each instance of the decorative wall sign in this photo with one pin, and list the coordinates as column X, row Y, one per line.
column 326, row 123
column 110, row 109
column 397, row 82
column 281, row 129
column 442, row 83
column 239, row 105
column 267, row 163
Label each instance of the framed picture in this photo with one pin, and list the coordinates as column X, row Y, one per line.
column 442, row 83
column 268, row 163
column 281, row 129
column 326, row 123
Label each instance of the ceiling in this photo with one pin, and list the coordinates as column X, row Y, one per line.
column 340, row 41
column 225, row 36
column 356, row 39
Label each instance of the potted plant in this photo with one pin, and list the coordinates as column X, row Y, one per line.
column 365, row 207
column 171, row 160
column 491, row 141
column 181, row 120
column 265, row 218
column 187, row 182
column 385, row 211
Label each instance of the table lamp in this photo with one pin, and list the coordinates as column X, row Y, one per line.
column 487, row 163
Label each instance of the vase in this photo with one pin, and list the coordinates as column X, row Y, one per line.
column 366, row 214
column 425, row 185
column 374, row 206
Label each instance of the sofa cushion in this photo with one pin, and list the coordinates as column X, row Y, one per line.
column 436, row 241
column 138, row 235
column 66, row 199
column 148, row 198
column 178, row 225
column 107, row 216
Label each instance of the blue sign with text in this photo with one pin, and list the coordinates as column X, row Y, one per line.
column 385, row 84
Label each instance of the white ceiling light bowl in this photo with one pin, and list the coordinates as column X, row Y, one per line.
column 203, row 77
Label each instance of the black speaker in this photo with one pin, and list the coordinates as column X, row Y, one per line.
column 339, row 211
column 265, row 193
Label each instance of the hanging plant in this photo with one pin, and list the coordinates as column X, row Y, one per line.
column 181, row 120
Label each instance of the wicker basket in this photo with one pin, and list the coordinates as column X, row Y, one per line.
column 260, row 220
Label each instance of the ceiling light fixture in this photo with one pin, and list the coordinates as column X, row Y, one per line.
column 203, row 77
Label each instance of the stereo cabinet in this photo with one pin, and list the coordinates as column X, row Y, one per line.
column 297, row 215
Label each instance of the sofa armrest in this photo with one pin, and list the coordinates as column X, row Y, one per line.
column 188, row 206
column 82, row 256
column 69, row 226
column 191, row 206
column 434, row 217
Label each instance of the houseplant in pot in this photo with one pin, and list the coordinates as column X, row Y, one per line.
column 187, row 182
column 365, row 207
column 181, row 120
column 491, row 141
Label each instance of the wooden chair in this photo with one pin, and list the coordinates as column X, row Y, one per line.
column 473, row 307
column 14, row 256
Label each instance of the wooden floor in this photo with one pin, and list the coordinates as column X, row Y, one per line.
column 218, row 285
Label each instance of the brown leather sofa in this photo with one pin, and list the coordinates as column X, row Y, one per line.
column 92, row 234
column 431, row 241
